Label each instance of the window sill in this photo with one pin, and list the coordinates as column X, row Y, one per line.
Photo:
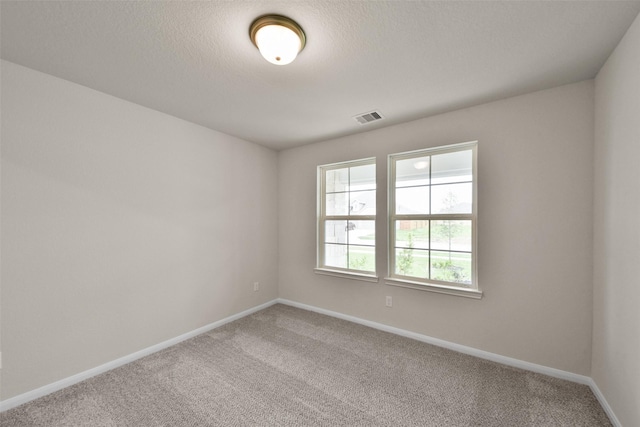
column 431, row 287
column 347, row 274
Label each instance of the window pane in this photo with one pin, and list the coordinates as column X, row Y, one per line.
column 362, row 258
column 451, row 235
column 335, row 232
column 362, row 203
column 452, row 198
column 452, row 167
column 337, row 180
column 349, row 193
column 412, row 200
column 335, row 255
column 451, row 267
column 337, row 204
column 363, row 178
column 362, row 232
column 412, row 262
column 412, row 234
column 412, row 172
column 432, row 204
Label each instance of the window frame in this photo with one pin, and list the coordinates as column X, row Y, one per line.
column 322, row 218
column 413, row 282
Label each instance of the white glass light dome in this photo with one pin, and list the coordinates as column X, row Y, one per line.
column 278, row 38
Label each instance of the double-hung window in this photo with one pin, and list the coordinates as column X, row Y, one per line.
column 432, row 219
column 347, row 218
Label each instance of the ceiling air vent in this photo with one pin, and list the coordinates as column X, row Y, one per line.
column 365, row 118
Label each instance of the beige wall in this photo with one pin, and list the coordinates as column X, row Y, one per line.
column 122, row 227
column 616, row 308
column 535, row 160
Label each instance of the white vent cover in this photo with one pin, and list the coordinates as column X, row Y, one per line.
column 369, row 117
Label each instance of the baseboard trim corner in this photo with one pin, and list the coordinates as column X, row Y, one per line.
column 20, row 399
column 603, row 402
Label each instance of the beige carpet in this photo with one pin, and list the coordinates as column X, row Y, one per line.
column 288, row 367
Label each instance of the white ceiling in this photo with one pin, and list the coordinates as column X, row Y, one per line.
column 194, row 60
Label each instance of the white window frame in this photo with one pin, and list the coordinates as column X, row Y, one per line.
column 322, row 218
column 430, row 284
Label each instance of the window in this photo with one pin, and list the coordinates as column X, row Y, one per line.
column 347, row 219
column 432, row 219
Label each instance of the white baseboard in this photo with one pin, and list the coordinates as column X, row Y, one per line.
column 66, row 382
column 552, row 372
column 603, row 402
column 516, row 363
column 509, row 361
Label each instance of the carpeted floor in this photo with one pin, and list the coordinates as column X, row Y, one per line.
column 288, row 367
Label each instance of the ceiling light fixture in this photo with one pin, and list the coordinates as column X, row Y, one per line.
column 278, row 38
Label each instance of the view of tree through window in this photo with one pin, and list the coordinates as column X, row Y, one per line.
column 432, row 216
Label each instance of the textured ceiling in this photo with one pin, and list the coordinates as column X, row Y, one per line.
column 194, row 60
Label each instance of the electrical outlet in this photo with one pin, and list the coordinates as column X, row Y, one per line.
column 256, row 286
column 389, row 302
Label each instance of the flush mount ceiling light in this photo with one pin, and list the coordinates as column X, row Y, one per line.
column 278, row 38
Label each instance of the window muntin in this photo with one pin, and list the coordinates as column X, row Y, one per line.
column 347, row 216
column 432, row 216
